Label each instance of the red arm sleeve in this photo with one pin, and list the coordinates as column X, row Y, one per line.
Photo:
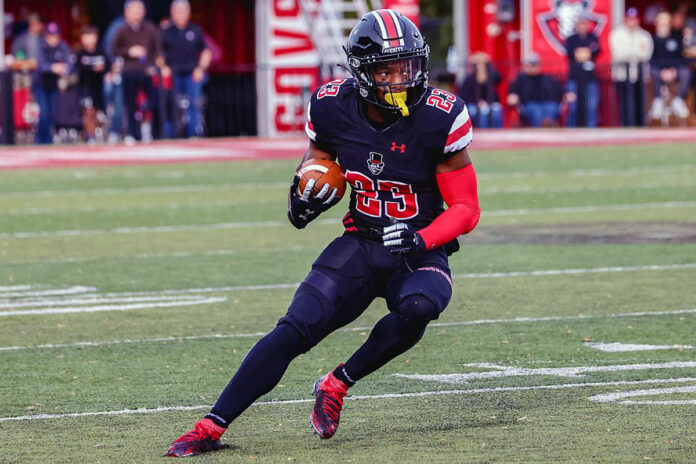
column 458, row 189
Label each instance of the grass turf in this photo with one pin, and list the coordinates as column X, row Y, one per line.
column 217, row 226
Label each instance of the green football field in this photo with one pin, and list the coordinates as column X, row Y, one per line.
column 130, row 295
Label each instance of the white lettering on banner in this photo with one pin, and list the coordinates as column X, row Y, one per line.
column 287, row 67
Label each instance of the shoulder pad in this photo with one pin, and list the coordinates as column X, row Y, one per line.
column 324, row 106
column 451, row 118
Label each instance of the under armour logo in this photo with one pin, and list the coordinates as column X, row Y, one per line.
column 401, row 147
column 308, row 214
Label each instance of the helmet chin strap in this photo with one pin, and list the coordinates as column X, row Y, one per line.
column 397, row 99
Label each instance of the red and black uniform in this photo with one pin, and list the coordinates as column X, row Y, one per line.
column 391, row 171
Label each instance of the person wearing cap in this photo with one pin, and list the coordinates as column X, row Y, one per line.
column 582, row 49
column 479, row 92
column 535, row 94
column 631, row 48
column 54, row 61
column 138, row 44
column 668, row 67
column 187, row 58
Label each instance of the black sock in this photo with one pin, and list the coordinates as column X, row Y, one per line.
column 261, row 370
column 341, row 374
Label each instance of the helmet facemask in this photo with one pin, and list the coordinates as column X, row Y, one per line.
column 395, row 83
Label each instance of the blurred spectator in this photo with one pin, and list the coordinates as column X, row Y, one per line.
column 26, row 45
column 138, row 44
column 187, row 59
column 54, row 61
column 91, row 65
column 582, row 49
column 668, row 67
column 690, row 48
column 478, row 91
column 631, row 48
column 536, row 95
column 113, row 82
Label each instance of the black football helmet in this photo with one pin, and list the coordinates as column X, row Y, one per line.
column 385, row 38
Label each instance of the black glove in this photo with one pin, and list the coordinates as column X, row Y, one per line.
column 402, row 239
column 304, row 208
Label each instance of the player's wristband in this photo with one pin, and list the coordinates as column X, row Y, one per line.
column 458, row 189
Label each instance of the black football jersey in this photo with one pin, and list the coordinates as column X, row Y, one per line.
column 391, row 171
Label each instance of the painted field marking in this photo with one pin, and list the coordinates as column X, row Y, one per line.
column 617, row 347
column 523, row 189
column 331, row 221
column 90, row 299
column 615, row 397
column 123, row 307
column 473, row 391
column 50, row 292
column 128, row 341
column 481, row 275
column 348, row 329
column 512, row 371
column 590, row 208
column 173, row 254
column 257, row 185
column 14, row 288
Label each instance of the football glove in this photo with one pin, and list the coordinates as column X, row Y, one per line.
column 304, row 208
column 402, row 239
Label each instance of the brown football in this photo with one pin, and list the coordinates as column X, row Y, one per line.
column 324, row 172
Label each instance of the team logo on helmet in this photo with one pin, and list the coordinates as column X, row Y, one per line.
column 558, row 23
column 375, row 163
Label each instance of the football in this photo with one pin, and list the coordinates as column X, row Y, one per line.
column 324, row 172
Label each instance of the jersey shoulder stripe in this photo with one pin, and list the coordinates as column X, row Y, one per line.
column 460, row 134
column 309, row 127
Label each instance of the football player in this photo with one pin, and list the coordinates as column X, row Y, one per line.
column 402, row 147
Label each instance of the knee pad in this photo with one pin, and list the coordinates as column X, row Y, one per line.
column 310, row 313
column 416, row 311
column 296, row 341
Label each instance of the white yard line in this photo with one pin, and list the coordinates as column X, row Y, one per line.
column 260, row 224
column 503, row 371
column 517, row 190
column 14, row 288
column 350, row 329
column 616, row 396
column 258, row 185
column 482, row 275
column 127, row 341
column 591, row 270
column 617, row 347
column 90, row 299
column 173, row 254
column 473, row 391
column 590, row 208
column 100, row 308
column 50, row 292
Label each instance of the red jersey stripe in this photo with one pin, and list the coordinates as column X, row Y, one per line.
column 460, row 132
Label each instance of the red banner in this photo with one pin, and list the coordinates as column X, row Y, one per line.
column 408, row 8
column 547, row 24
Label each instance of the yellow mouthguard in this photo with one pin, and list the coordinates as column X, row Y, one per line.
column 397, row 99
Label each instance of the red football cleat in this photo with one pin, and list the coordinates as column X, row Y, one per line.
column 205, row 436
column 329, row 393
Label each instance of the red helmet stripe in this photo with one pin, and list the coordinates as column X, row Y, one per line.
column 389, row 23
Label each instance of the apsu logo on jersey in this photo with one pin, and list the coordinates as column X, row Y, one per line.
column 375, row 163
column 559, row 23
